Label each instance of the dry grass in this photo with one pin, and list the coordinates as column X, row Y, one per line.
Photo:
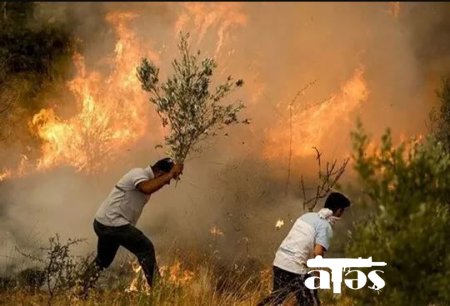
column 201, row 289
column 190, row 281
column 119, row 297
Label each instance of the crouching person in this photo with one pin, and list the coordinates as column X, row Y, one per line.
column 116, row 218
column 310, row 236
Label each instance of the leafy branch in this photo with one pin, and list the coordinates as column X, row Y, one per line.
column 186, row 103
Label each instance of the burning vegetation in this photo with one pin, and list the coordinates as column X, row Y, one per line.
column 108, row 112
column 76, row 81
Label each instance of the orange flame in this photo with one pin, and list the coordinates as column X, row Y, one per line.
column 19, row 171
column 112, row 114
column 204, row 16
column 176, row 274
column 5, row 174
column 112, row 110
column 312, row 125
column 216, row 231
column 279, row 224
column 394, row 9
column 139, row 282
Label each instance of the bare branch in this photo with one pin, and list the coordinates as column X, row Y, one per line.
column 326, row 181
column 291, row 106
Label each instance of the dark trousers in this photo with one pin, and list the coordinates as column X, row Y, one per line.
column 286, row 283
column 128, row 236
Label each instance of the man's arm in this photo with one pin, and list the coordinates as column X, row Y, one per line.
column 319, row 250
column 324, row 233
column 153, row 185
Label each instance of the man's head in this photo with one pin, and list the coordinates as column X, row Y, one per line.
column 162, row 166
column 337, row 202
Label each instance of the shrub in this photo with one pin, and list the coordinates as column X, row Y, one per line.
column 408, row 188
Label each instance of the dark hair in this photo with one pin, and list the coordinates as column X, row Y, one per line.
column 336, row 200
column 164, row 165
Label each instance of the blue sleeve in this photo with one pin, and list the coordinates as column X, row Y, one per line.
column 324, row 233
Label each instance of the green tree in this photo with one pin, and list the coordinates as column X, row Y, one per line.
column 407, row 188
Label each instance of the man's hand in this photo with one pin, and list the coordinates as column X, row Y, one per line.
column 319, row 250
column 176, row 170
column 156, row 183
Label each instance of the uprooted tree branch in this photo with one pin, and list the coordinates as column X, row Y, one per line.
column 185, row 102
column 326, row 180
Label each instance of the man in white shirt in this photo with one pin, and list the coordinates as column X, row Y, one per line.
column 116, row 218
column 310, row 236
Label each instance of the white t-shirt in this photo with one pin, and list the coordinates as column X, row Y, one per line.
column 298, row 246
column 125, row 202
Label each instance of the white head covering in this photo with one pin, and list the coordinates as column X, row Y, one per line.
column 327, row 214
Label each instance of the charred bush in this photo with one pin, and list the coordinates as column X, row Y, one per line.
column 7, row 283
column 59, row 269
column 31, row 279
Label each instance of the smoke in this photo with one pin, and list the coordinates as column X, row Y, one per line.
column 277, row 48
column 429, row 30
